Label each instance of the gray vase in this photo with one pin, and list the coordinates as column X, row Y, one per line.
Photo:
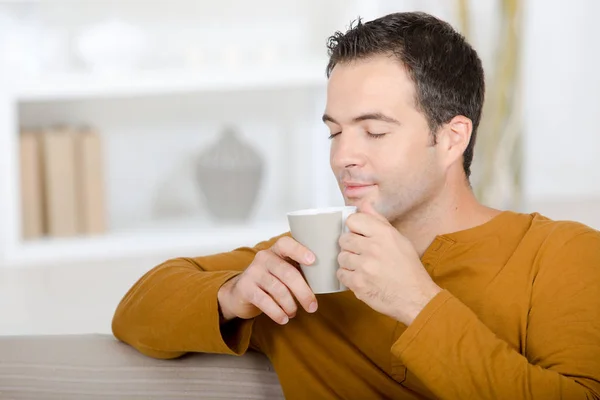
column 229, row 174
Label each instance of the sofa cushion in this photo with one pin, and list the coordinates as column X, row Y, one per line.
column 100, row 367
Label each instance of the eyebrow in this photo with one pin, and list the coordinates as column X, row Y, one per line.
column 364, row 117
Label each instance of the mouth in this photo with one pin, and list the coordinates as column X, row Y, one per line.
column 354, row 190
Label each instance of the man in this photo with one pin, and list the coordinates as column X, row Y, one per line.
column 448, row 298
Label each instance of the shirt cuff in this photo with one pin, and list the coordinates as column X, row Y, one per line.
column 232, row 337
column 424, row 322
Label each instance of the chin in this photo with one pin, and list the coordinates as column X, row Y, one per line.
column 357, row 201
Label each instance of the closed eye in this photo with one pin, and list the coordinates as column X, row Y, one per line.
column 371, row 135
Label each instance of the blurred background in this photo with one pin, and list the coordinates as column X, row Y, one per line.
column 132, row 132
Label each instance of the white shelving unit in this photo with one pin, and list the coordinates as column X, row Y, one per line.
column 177, row 110
column 169, row 238
column 169, row 242
column 169, row 82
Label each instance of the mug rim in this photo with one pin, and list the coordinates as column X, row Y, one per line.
column 321, row 210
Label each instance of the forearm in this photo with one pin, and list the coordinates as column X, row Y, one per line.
column 173, row 309
column 456, row 356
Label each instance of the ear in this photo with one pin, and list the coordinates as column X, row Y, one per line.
column 453, row 139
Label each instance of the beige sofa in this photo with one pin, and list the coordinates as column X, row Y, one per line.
column 99, row 367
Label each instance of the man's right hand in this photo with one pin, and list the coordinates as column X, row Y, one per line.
column 270, row 284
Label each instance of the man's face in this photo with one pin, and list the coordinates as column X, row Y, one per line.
column 382, row 150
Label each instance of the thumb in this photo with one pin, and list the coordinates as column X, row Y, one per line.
column 368, row 208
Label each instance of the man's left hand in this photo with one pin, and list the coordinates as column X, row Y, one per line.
column 383, row 268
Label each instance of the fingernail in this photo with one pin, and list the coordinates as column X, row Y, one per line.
column 285, row 320
column 310, row 258
column 312, row 307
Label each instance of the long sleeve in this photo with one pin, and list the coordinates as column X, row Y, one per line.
column 457, row 356
column 173, row 308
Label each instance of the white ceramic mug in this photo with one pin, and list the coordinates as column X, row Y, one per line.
column 319, row 230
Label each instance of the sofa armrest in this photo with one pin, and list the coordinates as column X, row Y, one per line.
column 100, row 367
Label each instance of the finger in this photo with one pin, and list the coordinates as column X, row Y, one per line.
column 289, row 247
column 293, row 279
column 364, row 224
column 352, row 242
column 344, row 276
column 267, row 305
column 279, row 293
column 349, row 261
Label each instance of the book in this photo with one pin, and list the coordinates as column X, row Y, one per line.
column 90, row 182
column 58, row 153
column 32, row 190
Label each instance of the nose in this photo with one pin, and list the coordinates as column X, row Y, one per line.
column 347, row 152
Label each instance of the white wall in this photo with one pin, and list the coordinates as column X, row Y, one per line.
column 562, row 100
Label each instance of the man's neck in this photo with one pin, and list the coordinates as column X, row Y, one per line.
column 450, row 212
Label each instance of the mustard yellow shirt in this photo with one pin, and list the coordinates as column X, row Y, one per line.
column 519, row 318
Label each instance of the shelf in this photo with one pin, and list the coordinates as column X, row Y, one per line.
column 174, row 241
column 88, row 85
